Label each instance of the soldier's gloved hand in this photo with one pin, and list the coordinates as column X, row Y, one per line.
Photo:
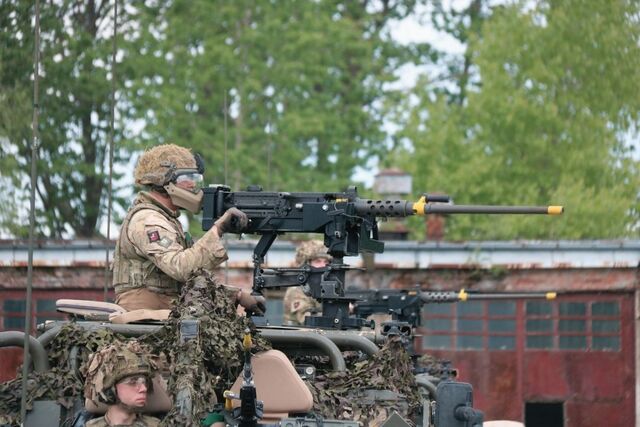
column 254, row 303
column 233, row 221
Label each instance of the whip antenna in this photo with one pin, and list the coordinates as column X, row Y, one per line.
column 225, row 113
column 226, row 179
column 35, row 144
column 111, row 145
column 269, row 144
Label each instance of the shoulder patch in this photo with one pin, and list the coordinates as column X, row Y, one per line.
column 154, row 236
column 165, row 242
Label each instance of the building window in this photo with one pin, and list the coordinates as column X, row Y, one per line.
column 548, row 325
column 13, row 314
column 573, row 325
column 471, row 325
column 42, row 309
column 46, row 310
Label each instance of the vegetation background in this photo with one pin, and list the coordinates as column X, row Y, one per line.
column 541, row 107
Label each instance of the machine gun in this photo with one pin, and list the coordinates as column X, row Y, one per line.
column 405, row 305
column 349, row 226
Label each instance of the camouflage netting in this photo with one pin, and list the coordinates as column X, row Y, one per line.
column 214, row 360
column 341, row 395
column 62, row 382
column 438, row 368
column 202, row 367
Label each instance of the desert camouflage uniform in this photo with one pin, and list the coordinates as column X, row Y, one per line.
column 153, row 257
column 141, row 421
column 297, row 304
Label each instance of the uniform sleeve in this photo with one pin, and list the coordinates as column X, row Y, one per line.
column 297, row 305
column 156, row 238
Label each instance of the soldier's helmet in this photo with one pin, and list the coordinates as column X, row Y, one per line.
column 311, row 250
column 156, row 164
column 113, row 363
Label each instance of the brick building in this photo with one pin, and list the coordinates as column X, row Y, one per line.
column 568, row 362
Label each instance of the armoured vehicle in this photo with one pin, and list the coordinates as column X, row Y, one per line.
column 335, row 371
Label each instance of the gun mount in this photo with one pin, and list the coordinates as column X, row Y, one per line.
column 348, row 224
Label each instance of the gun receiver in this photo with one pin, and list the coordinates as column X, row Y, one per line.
column 348, row 224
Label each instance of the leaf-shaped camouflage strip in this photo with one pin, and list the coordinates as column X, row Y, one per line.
column 342, row 395
column 212, row 362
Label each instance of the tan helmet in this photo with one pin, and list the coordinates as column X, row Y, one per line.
column 155, row 164
column 311, row 250
column 110, row 365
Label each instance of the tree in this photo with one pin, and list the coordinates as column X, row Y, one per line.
column 457, row 72
column 75, row 93
column 287, row 94
column 549, row 123
column 301, row 82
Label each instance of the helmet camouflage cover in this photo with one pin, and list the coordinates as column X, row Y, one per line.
column 310, row 250
column 153, row 165
column 112, row 363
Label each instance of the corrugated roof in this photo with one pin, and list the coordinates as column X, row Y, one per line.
column 399, row 254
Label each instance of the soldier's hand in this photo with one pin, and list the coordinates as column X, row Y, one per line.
column 233, row 221
column 253, row 303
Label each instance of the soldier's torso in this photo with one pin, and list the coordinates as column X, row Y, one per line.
column 141, row 421
column 134, row 270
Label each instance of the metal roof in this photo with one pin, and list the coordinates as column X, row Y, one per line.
column 561, row 254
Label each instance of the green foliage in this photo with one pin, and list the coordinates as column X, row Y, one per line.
column 549, row 124
column 283, row 94
column 300, row 82
column 74, row 96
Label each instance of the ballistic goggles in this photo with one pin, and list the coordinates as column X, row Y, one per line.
column 188, row 179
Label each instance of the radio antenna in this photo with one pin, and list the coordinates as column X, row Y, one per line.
column 35, row 145
column 225, row 113
column 226, row 178
column 111, row 146
column 269, row 144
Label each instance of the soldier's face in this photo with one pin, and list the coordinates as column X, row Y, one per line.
column 319, row 262
column 186, row 184
column 132, row 391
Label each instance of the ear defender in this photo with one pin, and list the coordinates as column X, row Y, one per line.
column 108, row 396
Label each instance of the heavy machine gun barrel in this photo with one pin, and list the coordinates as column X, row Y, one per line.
column 462, row 295
column 441, row 204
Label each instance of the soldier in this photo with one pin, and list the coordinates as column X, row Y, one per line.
column 153, row 254
column 120, row 376
column 297, row 302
